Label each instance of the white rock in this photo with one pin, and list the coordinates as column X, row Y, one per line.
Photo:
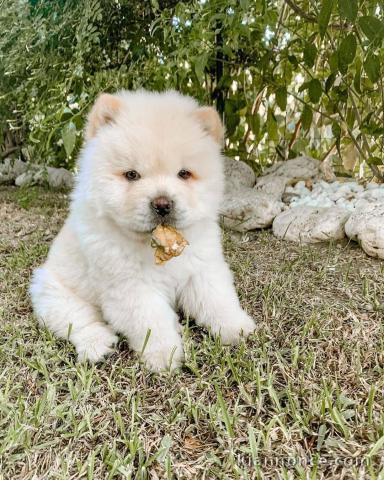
column 19, row 167
column 277, row 177
column 372, row 195
column 247, row 209
column 59, row 178
column 372, row 240
column 271, row 185
column 355, row 187
column 23, row 174
column 344, row 194
column 366, row 225
column 327, row 169
column 10, row 169
column 361, row 203
column 300, row 167
column 238, row 174
column 309, row 224
column 24, row 180
column 40, row 176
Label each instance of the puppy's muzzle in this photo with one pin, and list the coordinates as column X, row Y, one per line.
column 162, row 206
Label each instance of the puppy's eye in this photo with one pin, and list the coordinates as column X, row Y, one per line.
column 184, row 174
column 132, row 175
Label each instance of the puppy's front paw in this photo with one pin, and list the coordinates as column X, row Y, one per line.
column 94, row 342
column 235, row 326
column 164, row 354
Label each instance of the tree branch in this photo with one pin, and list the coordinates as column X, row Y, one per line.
column 8, row 152
column 312, row 18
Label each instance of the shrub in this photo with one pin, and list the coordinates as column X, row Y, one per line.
column 288, row 77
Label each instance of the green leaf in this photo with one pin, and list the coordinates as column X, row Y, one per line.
column 235, row 105
column 254, row 123
column 377, row 447
column 315, row 91
column 324, row 16
column 375, row 161
column 227, row 50
column 224, row 82
column 228, row 421
column 306, row 117
column 372, row 28
column 351, row 117
column 231, row 123
column 341, row 92
column 357, row 78
column 348, row 9
column 336, row 130
column 304, row 87
column 200, row 64
column 155, row 5
column 372, row 67
column 281, row 98
column 329, row 82
column 334, row 62
column 272, row 128
column 310, row 53
column 293, row 60
column 347, row 52
column 65, row 114
column 69, row 137
column 165, row 445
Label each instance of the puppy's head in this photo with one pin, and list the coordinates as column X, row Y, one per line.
column 152, row 158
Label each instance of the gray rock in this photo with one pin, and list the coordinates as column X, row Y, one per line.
column 305, row 224
column 23, row 174
column 247, row 209
column 366, row 225
column 300, row 167
column 25, row 179
column 10, row 169
column 271, row 185
column 277, row 177
column 289, row 196
column 59, row 178
column 238, row 174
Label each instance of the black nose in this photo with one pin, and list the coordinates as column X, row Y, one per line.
column 162, row 206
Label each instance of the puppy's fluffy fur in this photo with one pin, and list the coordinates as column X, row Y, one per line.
column 100, row 277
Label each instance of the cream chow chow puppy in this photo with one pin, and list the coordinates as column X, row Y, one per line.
column 148, row 159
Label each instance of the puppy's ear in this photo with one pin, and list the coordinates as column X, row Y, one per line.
column 103, row 111
column 210, row 120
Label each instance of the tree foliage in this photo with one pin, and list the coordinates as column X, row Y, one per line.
column 288, row 76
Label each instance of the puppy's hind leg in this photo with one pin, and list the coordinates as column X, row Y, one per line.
column 70, row 317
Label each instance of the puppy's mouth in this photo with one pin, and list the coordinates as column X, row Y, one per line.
column 167, row 220
column 148, row 227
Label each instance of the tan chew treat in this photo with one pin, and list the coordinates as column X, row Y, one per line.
column 168, row 243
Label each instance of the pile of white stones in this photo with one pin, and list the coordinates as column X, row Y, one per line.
column 348, row 195
column 301, row 206
column 19, row 173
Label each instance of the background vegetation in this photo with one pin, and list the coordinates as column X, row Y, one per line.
column 288, row 76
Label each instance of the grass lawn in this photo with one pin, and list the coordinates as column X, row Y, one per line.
column 302, row 398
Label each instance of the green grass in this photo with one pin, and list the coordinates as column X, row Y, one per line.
column 308, row 385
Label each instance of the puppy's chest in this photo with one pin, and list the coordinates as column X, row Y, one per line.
column 129, row 268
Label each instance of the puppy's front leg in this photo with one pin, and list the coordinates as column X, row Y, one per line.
column 150, row 324
column 211, row 299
